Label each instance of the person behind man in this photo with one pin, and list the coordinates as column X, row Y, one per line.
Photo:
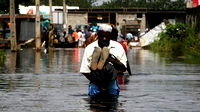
column 121, row 77
column 101, row 61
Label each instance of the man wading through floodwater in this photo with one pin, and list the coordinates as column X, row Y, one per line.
column 101, row 61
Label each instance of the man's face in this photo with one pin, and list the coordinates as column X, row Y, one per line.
column 103, row 38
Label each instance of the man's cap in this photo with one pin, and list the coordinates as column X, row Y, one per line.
column 105, row 27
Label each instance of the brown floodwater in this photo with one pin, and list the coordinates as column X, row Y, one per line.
column 39, row 82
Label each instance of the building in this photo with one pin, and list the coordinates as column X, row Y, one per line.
column 140, row 19
column 128, row 20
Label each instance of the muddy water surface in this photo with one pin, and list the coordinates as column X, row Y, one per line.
column 39, row 82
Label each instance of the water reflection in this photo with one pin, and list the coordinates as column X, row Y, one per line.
column 143, row 60
column 62, row 60
column 104, row 105
column 123, row 80
column 12, row 62
column 37, row 62
column 56, row 61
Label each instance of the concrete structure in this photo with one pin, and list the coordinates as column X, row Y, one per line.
column 146, row 18
column 77, row 19
column 193, row 17
column 23, row 22
column 112, row 16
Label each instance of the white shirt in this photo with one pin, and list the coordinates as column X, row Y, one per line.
column 115, row 48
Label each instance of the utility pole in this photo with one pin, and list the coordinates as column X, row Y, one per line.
column 13, row 40
column 37, row 26
column 64, row 16
column 50, row 11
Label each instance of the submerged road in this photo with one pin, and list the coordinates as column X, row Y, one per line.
column 51, row 82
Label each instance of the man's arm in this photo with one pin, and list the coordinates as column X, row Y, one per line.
column 87, row 75
column 116, row 63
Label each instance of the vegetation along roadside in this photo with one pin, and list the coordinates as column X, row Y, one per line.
column 178, row 40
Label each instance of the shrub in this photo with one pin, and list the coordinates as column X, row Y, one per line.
column 178, row 39
column 171, row 40
column 177, row 31
column 192, row 43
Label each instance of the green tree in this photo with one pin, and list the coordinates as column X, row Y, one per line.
column 157, row 4
column 4, row 5
column 80, row 3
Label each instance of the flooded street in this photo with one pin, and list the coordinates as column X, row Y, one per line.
column 39, row 82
